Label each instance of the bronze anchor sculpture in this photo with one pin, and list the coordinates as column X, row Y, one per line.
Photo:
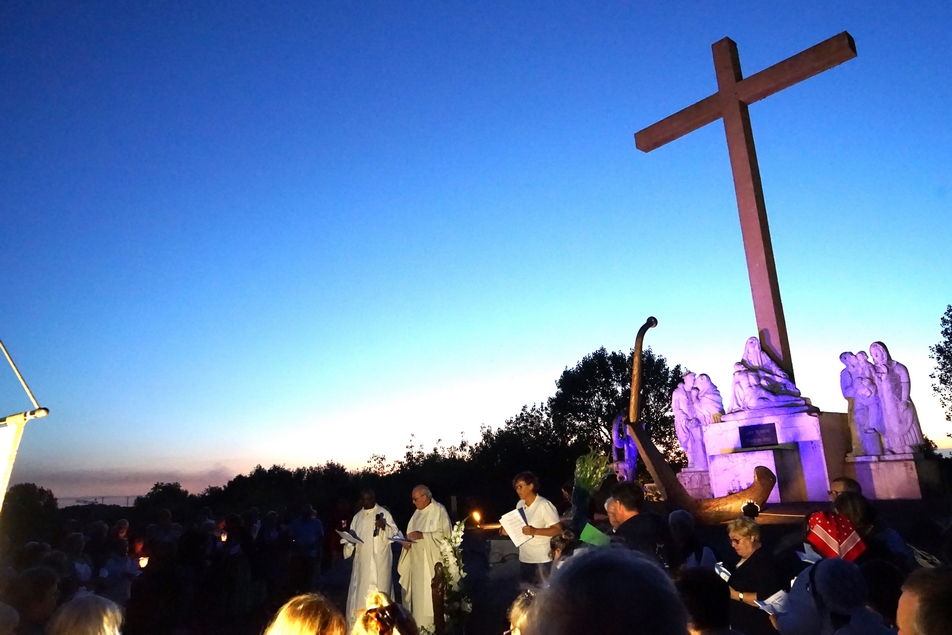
column 707, row 511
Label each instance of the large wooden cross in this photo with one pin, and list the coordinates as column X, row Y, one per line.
column 729, row 103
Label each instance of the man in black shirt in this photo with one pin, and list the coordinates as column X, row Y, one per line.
column 642, row 531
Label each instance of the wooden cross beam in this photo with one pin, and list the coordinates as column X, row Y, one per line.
column 734, row 94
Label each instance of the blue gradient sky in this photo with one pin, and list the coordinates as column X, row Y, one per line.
column 247, row 232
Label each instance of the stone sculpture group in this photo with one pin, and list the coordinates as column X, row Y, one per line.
column 758, row 383
column 882, row 417
column 696, row 402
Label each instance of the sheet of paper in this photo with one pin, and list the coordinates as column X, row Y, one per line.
column 350, row 536
column 775, row 604
column 722, row 571
column 400, row 539
column 593, row 536
column 809, row 554
column 513, row 522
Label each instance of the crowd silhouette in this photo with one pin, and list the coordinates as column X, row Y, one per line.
column 845, row 571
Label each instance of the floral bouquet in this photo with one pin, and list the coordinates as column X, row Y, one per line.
column 591, row 470
column 456, row 604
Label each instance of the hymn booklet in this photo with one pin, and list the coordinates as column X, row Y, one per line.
column 513, row 522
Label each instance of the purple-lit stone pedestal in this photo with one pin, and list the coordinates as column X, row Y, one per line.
column 735, row 471
column 697, row 482
column 795, row 454
column 886, row 477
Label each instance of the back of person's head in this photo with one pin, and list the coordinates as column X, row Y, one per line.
column 609, row 592
column 383, row 617
column 884, row 581
column 86, row 615
column 9, row 619
column 848, row 484
column 681, row 523
column 75, row 543
column 564, row 543
column 119, row 547
column 857, row 510
column 59, row 562
column 931, row 590
column 33, row 592
column 518, row 613
column 30, row 555
column 839, row 587
column 98, row 530
column 308, row 614
column 630, row 495
column 707, row 598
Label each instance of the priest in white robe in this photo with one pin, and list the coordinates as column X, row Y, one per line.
column 373, row 558
column 427, row 526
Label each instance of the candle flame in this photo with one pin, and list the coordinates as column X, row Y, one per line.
column 224, row 536
column 143, row 562
column 477, row 517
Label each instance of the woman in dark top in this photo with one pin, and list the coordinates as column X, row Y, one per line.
column 755, row 577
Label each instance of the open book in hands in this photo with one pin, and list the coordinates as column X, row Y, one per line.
column 775, row 604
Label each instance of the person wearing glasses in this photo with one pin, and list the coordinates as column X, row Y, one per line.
column 843, row 485
column 427, row 526
column 755, row 577
column 542, row 522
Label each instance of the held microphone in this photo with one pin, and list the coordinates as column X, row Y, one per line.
column 376, row 528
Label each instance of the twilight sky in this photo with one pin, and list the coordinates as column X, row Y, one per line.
column 249, row 232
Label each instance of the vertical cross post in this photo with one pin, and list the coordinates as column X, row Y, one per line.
column 734, row 94
column 764, row 287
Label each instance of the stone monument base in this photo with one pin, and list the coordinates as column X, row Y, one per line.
column 790, row 429
column 890, row 476
column 697, row 482
column 734, row 471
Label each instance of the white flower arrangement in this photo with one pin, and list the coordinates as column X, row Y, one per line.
column 456, row 605
column 452, row 557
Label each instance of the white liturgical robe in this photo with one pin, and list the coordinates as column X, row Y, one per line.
column 373, row 559
column 416, row 563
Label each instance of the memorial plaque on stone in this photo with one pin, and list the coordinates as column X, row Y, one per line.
column 758, row 436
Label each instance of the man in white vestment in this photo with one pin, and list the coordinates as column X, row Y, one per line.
column 373, row 558
column 427, row 526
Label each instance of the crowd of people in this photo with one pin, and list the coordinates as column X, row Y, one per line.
column 848, row 573
column 854, row 576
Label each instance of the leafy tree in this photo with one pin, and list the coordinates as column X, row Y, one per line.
column 169, row 496
column 591, row 395
column 29, row 513
column 942, row 354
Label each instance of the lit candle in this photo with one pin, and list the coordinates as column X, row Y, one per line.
column 143, row 562
column 477, row 517
column 224, row 536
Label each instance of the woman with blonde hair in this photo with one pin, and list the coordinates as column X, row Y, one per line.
column 519, row 612
column 86, row 615
column 308, row 614
column 754, row 577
